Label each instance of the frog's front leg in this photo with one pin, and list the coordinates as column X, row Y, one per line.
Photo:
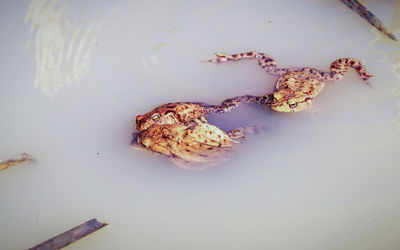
column 264, row 60
column 228, row 104
column 340, row 66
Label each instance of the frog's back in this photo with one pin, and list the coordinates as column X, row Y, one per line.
column 191, row 145
column 187, row 111
column 301, row 82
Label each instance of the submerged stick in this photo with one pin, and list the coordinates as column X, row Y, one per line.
column 12, row 162
column 368, row 16
column 70, row 236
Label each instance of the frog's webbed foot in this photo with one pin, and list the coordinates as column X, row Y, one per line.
column 236, row 134
column 223, row 57
column 341, row 65
column 241, row 132
column 220, row 58
column 264, row 60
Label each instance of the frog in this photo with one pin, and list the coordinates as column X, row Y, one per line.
column 296, row 88
column 194, row 146
column 181, row 132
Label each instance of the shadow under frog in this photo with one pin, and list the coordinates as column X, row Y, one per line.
column 296, row 88
column 180, row 131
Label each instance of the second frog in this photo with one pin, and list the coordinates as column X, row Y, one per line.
column 296, row 88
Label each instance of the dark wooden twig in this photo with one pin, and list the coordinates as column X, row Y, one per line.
column 70, row 236
column 368, row 16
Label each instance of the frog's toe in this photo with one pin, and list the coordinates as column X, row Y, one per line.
column 240, row 133
column 220, row 58
column 236, row 134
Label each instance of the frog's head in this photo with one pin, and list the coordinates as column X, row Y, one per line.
column 171, row 113
column 143, row 122
column 160, row 115
column 282, row 101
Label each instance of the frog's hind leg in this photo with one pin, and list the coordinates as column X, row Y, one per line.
column 264, row 60
column 340, row 66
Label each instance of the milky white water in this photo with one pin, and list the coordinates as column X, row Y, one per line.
column 74, row 74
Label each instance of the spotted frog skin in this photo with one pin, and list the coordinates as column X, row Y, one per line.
column 195, row 146
column 180, row 131
column 296, row 88
column 180, row 113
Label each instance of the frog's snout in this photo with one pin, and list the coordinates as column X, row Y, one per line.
column 139, row 120
column 139, row 117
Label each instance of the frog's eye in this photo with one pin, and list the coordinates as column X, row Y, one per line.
column 155, row 117
column 292, row 104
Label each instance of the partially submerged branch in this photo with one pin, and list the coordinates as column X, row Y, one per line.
column 70, row 236
column 368, row 16
column 12, row 162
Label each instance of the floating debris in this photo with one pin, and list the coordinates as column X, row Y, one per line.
column 70, row 236
column 158, row 47
column 172, row 29
column 367, row 15
column 12, row 162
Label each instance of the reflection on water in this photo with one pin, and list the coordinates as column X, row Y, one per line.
column 63, row 49
column 391, row 52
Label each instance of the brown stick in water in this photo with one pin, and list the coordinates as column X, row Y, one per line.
column 70, row 236
column 12, row 162
column 358, row 8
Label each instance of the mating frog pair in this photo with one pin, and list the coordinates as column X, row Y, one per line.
column 181, row 132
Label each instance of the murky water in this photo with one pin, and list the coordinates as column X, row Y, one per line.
column 74, row 76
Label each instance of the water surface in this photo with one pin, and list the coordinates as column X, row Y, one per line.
column 75, row 76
